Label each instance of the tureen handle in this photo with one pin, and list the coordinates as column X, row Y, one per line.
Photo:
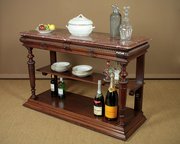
column 80, row 16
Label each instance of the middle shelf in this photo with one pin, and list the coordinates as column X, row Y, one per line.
column 93, row 79
column 68, row 74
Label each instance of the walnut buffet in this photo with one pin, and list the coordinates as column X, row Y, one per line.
column 78, row 109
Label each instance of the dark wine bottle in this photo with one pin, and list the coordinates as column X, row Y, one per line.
column 61, row 88
column 52, row 85
column 99, row 102
column 111, row 102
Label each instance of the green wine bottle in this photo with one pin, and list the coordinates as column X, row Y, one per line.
column 61, row 88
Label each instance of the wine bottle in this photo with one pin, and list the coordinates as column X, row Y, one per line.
column 52, row 85
column 99, row 101
column 61, row 88
column 111, row 102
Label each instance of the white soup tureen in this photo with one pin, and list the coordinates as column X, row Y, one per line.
column 80, row 26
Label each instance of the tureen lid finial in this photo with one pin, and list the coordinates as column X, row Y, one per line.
column 80, row 20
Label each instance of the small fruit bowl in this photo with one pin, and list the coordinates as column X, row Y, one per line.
column 45, row 28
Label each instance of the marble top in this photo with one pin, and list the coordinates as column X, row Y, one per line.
column 95, row 39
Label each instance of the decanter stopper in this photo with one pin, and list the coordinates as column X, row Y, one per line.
column 125, row 27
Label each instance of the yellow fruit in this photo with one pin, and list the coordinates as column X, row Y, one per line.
column 52, row 27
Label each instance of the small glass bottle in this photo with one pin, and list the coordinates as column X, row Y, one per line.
column 61, row 88
column 106, row 72
column 116, row 74
column 115, row 21
column 99, row 101
column 125, row 27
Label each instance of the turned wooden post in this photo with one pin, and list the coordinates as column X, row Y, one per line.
column 122, row 92
column 139, row 79
column 31, row 68
column 53, row 59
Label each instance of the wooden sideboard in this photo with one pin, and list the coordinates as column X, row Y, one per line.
column 76, row 108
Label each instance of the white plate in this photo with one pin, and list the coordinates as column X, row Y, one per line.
column 82, row 68
column 60, row 66
column 81, row 75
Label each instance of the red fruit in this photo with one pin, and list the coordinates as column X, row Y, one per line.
column 42, row 27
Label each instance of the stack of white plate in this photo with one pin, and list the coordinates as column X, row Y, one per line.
column 60, row 66
column 82, row 70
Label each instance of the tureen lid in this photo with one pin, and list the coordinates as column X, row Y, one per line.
column 80, row 20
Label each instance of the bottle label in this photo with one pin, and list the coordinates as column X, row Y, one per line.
column 110, row 111
column 97, row 110
column 60, row 91
column 52, row 87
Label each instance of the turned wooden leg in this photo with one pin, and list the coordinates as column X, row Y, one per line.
column 53, row 59
column 122, row 92
column 31, row 68
column 123, row 86
column 139, row 79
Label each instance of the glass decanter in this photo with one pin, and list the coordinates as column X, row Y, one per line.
column 125, row 27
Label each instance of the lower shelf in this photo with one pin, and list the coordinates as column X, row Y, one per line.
column 79, row 110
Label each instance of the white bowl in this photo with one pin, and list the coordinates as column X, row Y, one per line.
column 82, row 69
column 60, row 66
column 85, row 74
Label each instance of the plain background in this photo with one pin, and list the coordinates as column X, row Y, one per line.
column 158, row 20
